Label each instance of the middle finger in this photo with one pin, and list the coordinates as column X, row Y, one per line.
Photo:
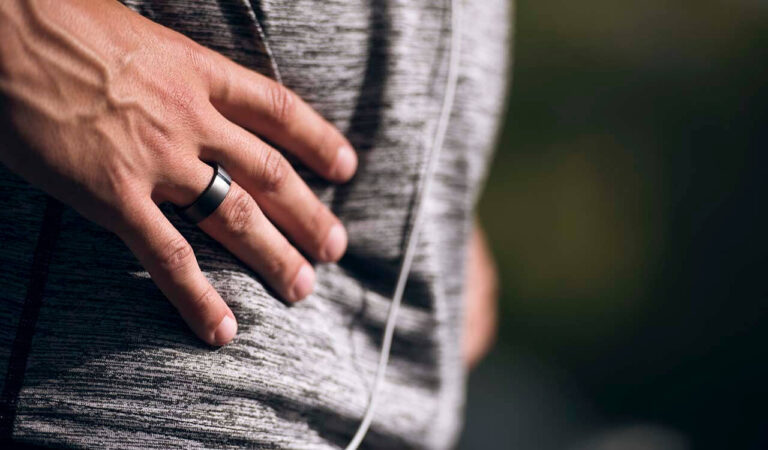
column 242, row 228
column 274, row 184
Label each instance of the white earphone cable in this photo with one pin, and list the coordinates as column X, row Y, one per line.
column 423, row 192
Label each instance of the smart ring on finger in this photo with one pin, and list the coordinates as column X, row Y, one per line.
column 210, row 199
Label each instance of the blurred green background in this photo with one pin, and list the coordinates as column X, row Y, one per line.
column 626, row 211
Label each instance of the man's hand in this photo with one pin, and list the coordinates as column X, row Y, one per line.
column 481, row 298
column 114, row 114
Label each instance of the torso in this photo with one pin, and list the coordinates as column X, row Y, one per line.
column 110, row 361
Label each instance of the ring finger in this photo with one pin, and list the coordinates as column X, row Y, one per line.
column 239, row 225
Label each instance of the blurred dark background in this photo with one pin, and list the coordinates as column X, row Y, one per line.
column 626, row 210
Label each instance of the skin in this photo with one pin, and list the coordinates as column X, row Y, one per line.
column 481, row 299
column 114, row 114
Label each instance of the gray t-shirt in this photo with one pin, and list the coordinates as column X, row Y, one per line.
column 94, row 356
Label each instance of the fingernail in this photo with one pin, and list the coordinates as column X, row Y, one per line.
column 303, row 284
column 335, row 243
column 346, row 163
column 226, row 331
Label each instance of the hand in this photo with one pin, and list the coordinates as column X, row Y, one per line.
column 114, row 114
column 481, row 298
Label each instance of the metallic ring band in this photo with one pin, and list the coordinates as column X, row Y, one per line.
column 210, row 199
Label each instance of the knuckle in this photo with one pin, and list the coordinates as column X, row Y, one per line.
column 198, row 58
column 122, row 183
column 325, row 148
column 320, row 221
column 164, row 147
column 121, row 210
column 274, row 171
column 176, row 255
column 206, row 300
column 239, row 217
column 282, row 103
column 119, row 196
column 184, row 104
column 276, row 265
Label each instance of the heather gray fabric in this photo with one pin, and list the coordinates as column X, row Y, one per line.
column 111, row 365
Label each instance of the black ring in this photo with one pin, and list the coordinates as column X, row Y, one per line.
column 210, row 199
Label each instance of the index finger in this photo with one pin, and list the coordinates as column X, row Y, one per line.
column 274, row 112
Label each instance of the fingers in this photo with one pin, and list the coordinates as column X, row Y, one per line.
column 242, row 228
column 278, row 189
column 239, row 224
column 267, row 108
column 171, row 263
